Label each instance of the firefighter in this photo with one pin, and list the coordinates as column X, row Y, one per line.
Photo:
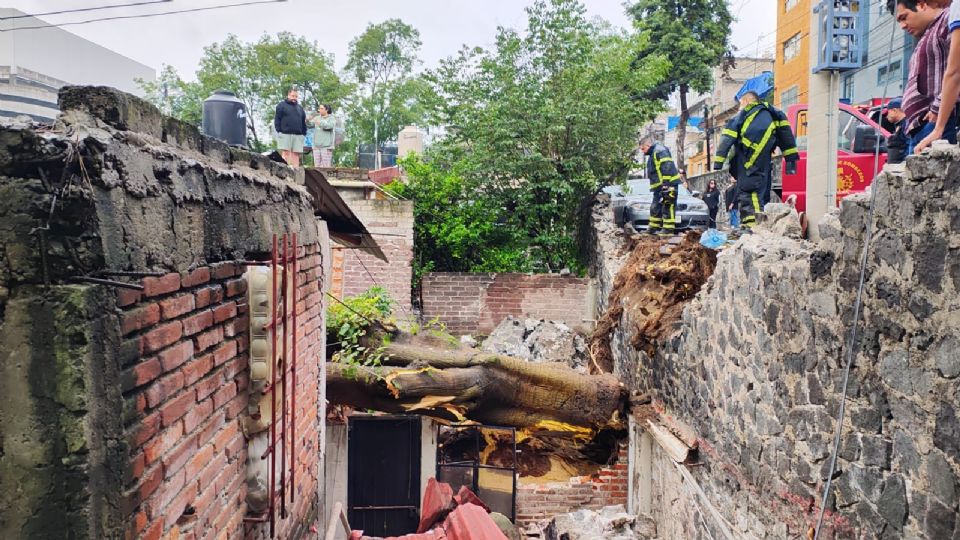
column 664, row 179
column 752, row 135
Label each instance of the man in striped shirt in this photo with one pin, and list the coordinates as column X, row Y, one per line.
column 921, row 98
column 951, row 78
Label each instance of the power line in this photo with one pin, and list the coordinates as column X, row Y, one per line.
column 80, row 10
column 144, row 15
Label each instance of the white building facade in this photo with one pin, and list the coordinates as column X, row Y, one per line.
column 36, row 62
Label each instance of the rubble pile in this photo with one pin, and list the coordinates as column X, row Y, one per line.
column 609, row 523
column 538, row 341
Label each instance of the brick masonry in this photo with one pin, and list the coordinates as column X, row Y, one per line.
column 128, row 403
column 538, row 503
column 355, row 271
column 476, row 303
column 185, row 390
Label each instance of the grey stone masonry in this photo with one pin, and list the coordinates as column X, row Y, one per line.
column 756, row 368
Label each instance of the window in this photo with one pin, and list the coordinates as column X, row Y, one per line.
column 847, row 131
column 789, row 97
column 802, row 131
column 789, row 4
column 791, row 47
column 848, row 87
column 889, row 74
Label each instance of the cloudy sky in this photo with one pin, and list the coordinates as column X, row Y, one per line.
column 444, row 25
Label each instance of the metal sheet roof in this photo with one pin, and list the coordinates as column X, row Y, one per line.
column 342, row 223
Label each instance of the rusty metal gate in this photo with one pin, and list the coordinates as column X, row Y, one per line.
column 383, row 474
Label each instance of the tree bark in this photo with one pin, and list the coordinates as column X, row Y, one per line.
column 457, row 385
column 682, row 128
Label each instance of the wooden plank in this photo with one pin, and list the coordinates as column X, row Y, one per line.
column 337, row 517
column 682, row 431
column 674, row 447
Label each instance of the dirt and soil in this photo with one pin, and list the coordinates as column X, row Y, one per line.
column 653, row 289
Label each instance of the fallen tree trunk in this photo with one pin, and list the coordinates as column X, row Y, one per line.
column 457, row 385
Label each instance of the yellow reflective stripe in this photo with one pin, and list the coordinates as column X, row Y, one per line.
column 758, row 149
column 782, row 123
column 756, row 202
column 746, row 124
column 730, row 132
column 721, row 159
column 656, row 163
column 790, row 151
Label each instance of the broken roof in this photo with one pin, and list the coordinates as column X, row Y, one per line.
column 341, row 221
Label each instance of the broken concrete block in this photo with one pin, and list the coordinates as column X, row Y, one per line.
column 780, row 219
column 610, row 523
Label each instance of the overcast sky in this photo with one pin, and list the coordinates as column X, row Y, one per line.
column 444, row 25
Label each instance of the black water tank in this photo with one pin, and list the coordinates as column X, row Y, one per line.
column 388, row 154
column 366, row 157
column 225, row 118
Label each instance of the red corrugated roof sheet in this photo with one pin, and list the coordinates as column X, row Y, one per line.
column 470, row 522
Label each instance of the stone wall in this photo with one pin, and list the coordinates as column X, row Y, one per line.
column 121, row 416
column 538, row 503
column 756, row 369
column 391, row 224
column 476, row 303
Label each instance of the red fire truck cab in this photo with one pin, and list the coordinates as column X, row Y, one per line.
column 856, row 147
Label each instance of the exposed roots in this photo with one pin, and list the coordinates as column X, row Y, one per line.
column 653, row 289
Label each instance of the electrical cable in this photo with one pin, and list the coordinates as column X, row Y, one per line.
column 81, row 10
column 856, row 315
column 142, row 15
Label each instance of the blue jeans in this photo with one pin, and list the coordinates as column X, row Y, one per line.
column 949, row 133
column 734, row 218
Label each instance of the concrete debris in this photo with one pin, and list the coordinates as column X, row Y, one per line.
column 781, row 219
column 538, row 341
column 610, row 523
column 468, row 341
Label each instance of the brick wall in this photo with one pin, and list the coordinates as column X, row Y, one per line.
column 537, row 504
column 391, row 223
column 185, row 388
column 477, row 303
column 127, row 404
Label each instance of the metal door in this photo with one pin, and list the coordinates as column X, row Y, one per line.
column 383, row 474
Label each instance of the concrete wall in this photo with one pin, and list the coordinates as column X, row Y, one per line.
column 123, row 408
column 756, row 370
column 476, row 303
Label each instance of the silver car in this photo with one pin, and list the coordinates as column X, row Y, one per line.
column 691, row 212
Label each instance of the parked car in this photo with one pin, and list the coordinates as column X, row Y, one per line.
column 620, row 197
column 691, row 212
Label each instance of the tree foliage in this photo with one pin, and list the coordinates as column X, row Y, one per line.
column 694, row 36
column 536, row 125
column 381, row 61
column 259, row 73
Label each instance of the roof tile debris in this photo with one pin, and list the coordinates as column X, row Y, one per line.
column 467, row 517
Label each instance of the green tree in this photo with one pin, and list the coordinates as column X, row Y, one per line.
column 259, row 73
column 381, row 61
column 694, row 36
column 536, row 125
column 174, row 96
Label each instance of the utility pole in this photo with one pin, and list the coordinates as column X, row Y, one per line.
column 835, row 46
column 707, row 131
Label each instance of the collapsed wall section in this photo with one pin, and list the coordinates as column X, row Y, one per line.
column 756, row 370
column 475, row 303
column 124, row 325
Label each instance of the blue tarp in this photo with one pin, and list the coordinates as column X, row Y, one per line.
column 693, row 121
column 762, row 85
